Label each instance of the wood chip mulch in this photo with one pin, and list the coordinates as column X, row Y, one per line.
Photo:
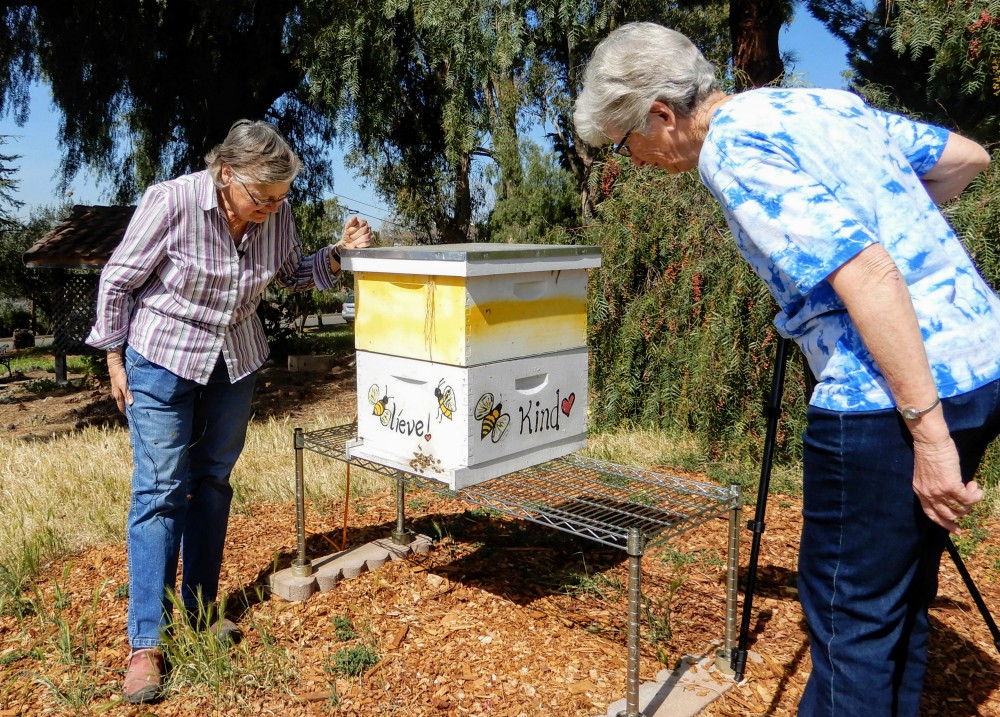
column 501, row 618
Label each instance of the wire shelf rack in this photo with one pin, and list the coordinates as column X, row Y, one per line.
column 584, row 496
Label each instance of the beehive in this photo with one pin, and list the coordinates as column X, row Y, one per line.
column 469, row 304
column 472, row 358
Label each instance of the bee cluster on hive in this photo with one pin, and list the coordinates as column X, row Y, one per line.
column 424, row 462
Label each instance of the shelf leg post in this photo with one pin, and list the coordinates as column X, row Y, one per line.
column 635, row 550
column 400, row 536
column 723, row 658
column 301, row 566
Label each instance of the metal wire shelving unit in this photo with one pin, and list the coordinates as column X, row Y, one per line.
column 616, row 505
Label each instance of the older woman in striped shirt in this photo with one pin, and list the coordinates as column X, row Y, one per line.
column 177, row 315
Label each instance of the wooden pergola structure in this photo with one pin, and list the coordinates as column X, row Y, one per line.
column 76, row 250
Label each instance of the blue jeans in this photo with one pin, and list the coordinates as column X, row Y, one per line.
column 186, row 439
column 869, row 557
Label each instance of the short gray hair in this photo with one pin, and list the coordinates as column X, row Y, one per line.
column 257, row 154
column 634, row 66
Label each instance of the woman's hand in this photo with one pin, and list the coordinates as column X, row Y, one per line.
column 937, row 481
column 119, row 380
column 357, row 234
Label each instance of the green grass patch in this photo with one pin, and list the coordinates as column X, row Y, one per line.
column 204, row 666
column 335, row 339
column 40, row 358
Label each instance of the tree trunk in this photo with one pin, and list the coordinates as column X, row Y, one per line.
column 457, row 230
column 754, row 26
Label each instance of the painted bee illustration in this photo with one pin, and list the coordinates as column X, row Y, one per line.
column 495, row 422
column 380, row 403
column 446, row 401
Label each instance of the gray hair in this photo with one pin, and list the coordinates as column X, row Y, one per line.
column 634, row 66
column 257, row 154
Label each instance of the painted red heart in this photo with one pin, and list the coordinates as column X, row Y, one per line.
column 567, row 403
column 427, row 436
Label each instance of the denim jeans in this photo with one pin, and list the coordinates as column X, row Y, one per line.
column 186, row 439
column 869, row 557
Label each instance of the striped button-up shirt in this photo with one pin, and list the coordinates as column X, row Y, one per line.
column 179, row 291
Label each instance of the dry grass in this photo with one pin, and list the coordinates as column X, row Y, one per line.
column 645, row 447
column 71, row 492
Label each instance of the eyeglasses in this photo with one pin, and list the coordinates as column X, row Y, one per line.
column 263, row 202
column 622, row 147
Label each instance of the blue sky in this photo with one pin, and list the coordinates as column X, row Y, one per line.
column 820, row 58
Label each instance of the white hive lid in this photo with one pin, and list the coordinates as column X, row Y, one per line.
column 472, row 259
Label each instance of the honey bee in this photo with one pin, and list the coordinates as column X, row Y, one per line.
column 495, row 422
column 380, row 403
column 446, row 401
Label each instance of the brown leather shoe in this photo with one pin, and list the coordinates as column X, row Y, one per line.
column 144, row 676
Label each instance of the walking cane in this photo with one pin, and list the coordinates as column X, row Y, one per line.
column 772, row 409
column 974, row 591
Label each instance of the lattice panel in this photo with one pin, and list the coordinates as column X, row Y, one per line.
column 74, row 310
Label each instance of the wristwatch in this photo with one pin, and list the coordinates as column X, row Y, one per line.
column 911, row 414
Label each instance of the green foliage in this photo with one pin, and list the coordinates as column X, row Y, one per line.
column 13, row 315
column 8, row 185
column 680, row 329
column 976, row 217
column 937, row 59
column 424, row 88
column 352, row 661
column 343, row 628
column 18, row 283
column 545, row 198
column 319, row 223
column 140, row 111
column 41, row 385
column 959, row 44
column 414, row 84
column 424, row 94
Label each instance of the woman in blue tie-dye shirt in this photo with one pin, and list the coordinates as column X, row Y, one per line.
column 834, row 205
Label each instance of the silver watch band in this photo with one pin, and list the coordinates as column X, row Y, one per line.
column 911, row 414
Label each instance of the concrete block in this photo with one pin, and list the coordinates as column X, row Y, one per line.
column 682, row 692
column 292, row 588
column 331, row 569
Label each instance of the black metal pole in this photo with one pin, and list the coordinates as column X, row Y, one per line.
column 772, row 410
column 974, row 591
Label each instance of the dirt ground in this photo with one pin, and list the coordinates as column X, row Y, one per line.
column 502, row 617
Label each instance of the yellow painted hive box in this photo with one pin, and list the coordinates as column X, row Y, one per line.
column 471, row 304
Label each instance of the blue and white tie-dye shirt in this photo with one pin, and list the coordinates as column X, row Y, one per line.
column 809, row 178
